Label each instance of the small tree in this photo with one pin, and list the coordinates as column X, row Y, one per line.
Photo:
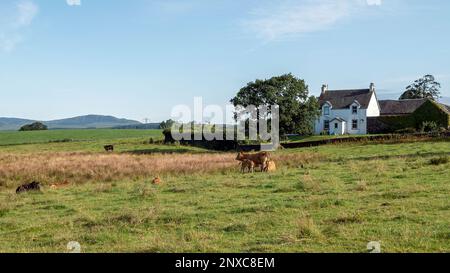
column 166, row 124
column 423, row 88
column 168, row 136
column 37, row 126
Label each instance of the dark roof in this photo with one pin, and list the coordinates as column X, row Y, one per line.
column 400, row 107
column 341, row 99
column 339, row 119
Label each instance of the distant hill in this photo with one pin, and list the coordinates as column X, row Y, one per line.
column 13, row 123
column 89, row 121
column 142, row 126
column 81, row 122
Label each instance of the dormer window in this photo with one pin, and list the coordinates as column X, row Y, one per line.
column 354, row 110
column 326, row 110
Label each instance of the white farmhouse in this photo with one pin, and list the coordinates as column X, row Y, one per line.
column 346, row 111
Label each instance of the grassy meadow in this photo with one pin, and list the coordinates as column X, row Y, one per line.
column 82, row 135
column 334, row 198
column 86, row 141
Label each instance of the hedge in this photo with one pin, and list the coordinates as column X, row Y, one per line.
column 429, row 111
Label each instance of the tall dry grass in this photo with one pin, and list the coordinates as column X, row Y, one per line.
column 78, row 167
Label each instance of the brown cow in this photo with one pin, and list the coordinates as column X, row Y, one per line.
column 156, row 181
column 270, row 166
column 60, row 185
column 259, row 159
column 247, row 165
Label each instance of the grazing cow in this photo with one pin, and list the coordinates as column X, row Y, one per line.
column 247, row 165
column 259, row 159
column 109, row 148
column 270, row 166
column 33, row 186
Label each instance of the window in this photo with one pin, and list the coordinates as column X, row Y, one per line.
column 355, row 124
column 354, row 110
column 326, row 110
column 326, row 125
column 336, row 126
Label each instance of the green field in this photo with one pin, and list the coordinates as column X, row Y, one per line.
column 333, row 198
column 133, row 141
column 97, row 135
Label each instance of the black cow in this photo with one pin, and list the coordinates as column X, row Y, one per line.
column 33, row 186
column 109, row 148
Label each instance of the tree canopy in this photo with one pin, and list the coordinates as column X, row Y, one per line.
column 298, row 109
column 167, row 124
column 37, row 126
column 424, row 88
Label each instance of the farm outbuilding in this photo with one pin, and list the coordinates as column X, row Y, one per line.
column 398, row 115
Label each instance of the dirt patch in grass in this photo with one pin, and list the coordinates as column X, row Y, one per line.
column 439, row 160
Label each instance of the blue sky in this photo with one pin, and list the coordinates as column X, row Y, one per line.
column 139, row 58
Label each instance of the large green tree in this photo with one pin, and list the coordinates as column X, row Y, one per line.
column 424, row 88
column 298, row 109
column 37, row 126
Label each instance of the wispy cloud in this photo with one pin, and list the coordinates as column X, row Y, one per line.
column 290, row 18
column 73, row 2
column 374, row 2
column 26, row 10
column 15, row 22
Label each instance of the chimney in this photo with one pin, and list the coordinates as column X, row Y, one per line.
column 324, row 88
column 372, row 87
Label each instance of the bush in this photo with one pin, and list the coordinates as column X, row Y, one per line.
column 431, row 111
column 439, row 161
column 37, row 126
column 429, row 126
column 406, row 131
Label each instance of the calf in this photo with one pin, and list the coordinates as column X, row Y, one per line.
column 156, row 181
column 109, row 148
column 247, row 165
column 33, row 186
column 60, row 185
column 270, row 166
